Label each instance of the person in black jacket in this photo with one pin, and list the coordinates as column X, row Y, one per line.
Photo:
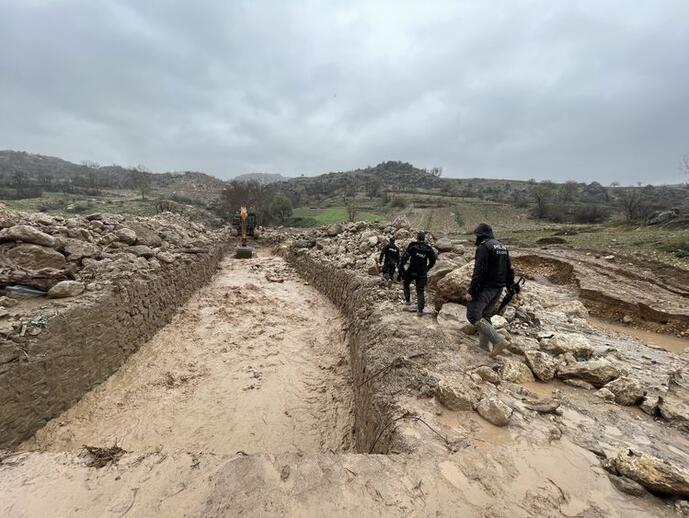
column 492, row 272
column 389, row 257
column 421, row 258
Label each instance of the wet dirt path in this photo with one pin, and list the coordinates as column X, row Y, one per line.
column 254, row 362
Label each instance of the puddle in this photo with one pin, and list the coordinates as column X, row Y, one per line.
column 669, row 343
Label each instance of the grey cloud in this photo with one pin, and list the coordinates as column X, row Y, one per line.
column 588, row 90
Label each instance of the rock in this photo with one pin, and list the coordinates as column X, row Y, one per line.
column 26, row 234
column 66, row 289
column 438, row 272
column 627, row 390
column 498, row 321
column 649, row 404
column 125, row 235
column 145, row 236
column 674, row 404
column 627, row 485
column 141, row 251
column 7, row 301
column 459, row 395
column 402, row 234
column 335, row 230
column 516, row 372
column 488, row 374
column 573, row 309
column 660, row 217
column 453, row 286
column 372, row 264
column 596, row 372
column 166, row 257
column 494, row 411
column 452, row 318
column 627, row 319
column 579, row 384
column 541, row 364
column 35, row 257
column 655, row 474
column 372, row 241
column 564, row 343
column 444, row 245
column 605, row 395
column 76, row 249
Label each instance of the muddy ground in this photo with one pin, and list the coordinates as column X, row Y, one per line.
column 243, row 406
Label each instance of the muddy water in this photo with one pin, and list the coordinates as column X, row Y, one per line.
column 669, row 343
column 255, row 362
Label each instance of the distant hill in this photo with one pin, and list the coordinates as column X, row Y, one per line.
column 262, row 178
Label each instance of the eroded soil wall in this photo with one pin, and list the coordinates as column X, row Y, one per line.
column 86, row 342
column 350, row 292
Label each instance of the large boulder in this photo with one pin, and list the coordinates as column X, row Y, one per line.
column 36, row 257
column 655, row 474
column 516, row 372
column 26, row 234
column 494, row 411
column 334, row 230
column 458, row 394
column 76, row 249
column 674, row 404
column 444, row 245
column 125, row 235
column 541, row 364
column 145, row 236
column 596, row 372
column 564, row 343
column 452, row 318
column 141, row 251
column 453, row 286
column 372, row 264
column 66, row 289
column 627, row 390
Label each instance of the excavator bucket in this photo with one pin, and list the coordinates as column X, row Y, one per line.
column 244, row 252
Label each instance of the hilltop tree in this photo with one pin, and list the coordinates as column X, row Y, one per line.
column 542, row 195
column 142, row 180
column 437, row 171
column 568, row 191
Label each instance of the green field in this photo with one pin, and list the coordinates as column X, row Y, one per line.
column 65, row 204
column 335, row 215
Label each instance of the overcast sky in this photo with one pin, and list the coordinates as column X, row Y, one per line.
column 587, row 90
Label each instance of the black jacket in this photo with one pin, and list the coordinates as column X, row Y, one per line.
column 390, row 253
column 421, row 258
column 492, row 266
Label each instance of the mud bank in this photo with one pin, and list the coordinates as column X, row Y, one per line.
column 82, row 344
column 383, row 348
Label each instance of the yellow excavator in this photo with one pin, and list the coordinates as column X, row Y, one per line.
column 245, row 223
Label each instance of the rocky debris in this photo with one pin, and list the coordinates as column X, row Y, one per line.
column 126, row 235
column 457, row 394
column 563, row 343
column 453, row 286
column 627, row 485
column 516, row 372
column 35, row 257
column 541, row 364
column 165, row 257
column 605, row 394
column 674, row 404
column 596, row 372
column 76, row 249
column 488, row 374
column 26, row 234
column 660, row 217
column 142, row 251
column 335, row 230
column 494, row 411
column 444, row 245
column 452, row 319
column 655, row 474
column 627, row 391
column 498, row 321
column 66, row 289
column 579, row 384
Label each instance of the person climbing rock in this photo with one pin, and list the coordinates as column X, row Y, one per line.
column 421, row 258
column 389, row 257
column 492, row 272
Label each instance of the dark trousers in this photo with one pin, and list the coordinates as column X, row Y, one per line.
column 389, row 271
column 420, row 283
column 483, row 304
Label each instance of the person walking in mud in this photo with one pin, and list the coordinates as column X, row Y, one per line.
column 390, row 258
column 421, row 258
column 492, row 272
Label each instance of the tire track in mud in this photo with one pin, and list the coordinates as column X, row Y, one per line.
column 255, row 362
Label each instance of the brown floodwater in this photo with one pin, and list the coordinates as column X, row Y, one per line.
column 670, row 343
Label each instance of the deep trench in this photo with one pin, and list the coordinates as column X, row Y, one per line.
column 256, row 361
